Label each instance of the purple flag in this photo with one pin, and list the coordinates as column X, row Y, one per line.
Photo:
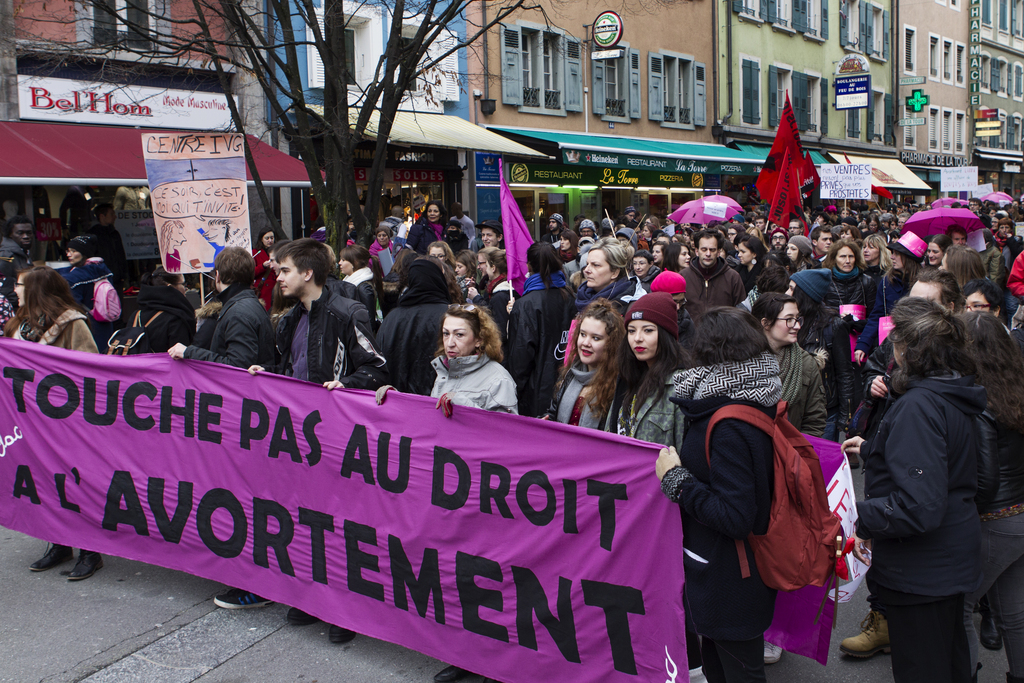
column 517, row 236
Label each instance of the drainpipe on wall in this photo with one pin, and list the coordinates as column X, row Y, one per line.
column 728, row 65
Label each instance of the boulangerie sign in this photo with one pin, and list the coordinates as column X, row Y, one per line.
column 486, row 540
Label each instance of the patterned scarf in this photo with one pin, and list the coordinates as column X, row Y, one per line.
column 29, row 333
column 755, row 380
column 790, row 370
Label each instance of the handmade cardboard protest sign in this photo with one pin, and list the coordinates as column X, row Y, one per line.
column 199, row 199
column 517, row 548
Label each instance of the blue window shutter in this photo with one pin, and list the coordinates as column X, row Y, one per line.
column 764, row 10
column 773, row 97
column 824, row 106
column 886, row 37
column 573, row 97
column 737, row 6
column 824, row 18
column 986, row 12
column 870, row 127
column 869, row 31
column 800, row 15
column 633, row 57
column 844, row 24
column 597, row 85
column 890, row 121
column 1013, row 17
column 755, row 90
column 773, row 11
column 747, row 88
column 862, row 44
column 700, row 104
column 511, row 66
column 655, row 87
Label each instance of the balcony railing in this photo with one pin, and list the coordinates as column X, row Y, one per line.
column 531, row 97
column 670, row 114
column 934, row 71
column 552, row 99
column 615, row 107
column 959, row 147
column 684, row 116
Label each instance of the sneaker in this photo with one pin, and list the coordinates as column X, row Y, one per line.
column 236, row 598
column 697, row 675
column 772, row 653
column 873, row 638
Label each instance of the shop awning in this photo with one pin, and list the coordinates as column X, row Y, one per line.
column 888, row 173
column 762, row 150
column 441, row 130
column 639, row 153
column 71, row 154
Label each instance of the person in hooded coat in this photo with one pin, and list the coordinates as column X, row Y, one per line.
column 537, row 327
column 87, row 270
column 167, row 315
column 408, row 336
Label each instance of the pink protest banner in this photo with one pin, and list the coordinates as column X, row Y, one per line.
column 517, row 548
column 884, row 328
column 857, row 312
column 797, row 626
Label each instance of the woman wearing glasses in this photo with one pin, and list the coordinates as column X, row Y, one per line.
column 802, row 390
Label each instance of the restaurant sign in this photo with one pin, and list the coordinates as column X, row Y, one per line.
column 639, row 162
column 70, row 101
column 541, row 174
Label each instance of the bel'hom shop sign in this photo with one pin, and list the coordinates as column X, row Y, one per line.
column 594, row 175
column 636, row 162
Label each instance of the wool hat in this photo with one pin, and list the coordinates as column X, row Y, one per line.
column 802, row 243
column 780, row 231
column 587, row 223
column 320, row 235
column 557, row 217
column 814, row 282
column 850, row 220
column 86, row 245
column 670, row 282
column 658, row 308
column 910, row 245
column 629, row 209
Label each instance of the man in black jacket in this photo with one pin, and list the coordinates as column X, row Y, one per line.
column 111, row 248
column 19, row 236
column 326, row 339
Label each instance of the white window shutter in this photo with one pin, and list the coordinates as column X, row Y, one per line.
column 314, row 65
column 450, row 69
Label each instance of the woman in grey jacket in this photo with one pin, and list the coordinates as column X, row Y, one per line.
column 468, row 362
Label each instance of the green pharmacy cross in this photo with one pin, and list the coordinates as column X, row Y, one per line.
column 917, row 101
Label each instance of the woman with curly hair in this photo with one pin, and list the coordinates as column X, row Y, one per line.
column 468, row 362
column 585, row 390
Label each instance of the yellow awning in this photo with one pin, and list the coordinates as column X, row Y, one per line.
column 442, row 130
column 888, row 173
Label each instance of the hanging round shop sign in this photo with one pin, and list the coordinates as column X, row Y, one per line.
column 607, row 30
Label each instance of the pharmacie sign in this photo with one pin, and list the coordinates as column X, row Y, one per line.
column 542, row 174
column 71, row 101
column 575, row 157
column 926, row 159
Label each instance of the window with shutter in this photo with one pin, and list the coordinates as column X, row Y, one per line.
column 959, row 133
column 634, row 83
column 886, row 34
column 597, row 89
column 824, row 19
column 1018, row 77
column 959, row 63
column 844, row 22
column 773, row 96
column 823, row 117
column 573, row 75
column 655, row 87
column 908, row 50
column 986, row 12
column 700, row 105
column 751, row 92
column 933, row 132
column 869, row 129
column 1004, row 15
column 947, row 133
column 511, row 66
column 909, row 133
column 890, row 120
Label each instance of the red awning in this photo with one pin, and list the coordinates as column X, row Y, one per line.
column 72, row 154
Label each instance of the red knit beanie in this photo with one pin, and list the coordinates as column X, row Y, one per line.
column 658, row 308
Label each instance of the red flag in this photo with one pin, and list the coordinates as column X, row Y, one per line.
column 811, row 180
column 787, row 139
column 786, row 203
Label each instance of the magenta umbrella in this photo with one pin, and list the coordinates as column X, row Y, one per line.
column 1000, row 198
column 939, row 221
column 696, row 211
column 946, row 201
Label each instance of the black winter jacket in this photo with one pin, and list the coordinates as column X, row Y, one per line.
column 12, row 259
column 456, row 240
column 920, row 480
column 857, row 291
column 340, row 344
column 537, row 337
column 1001, row 449
column 686, row 329
column 408, row 339
column 831, row 346
column 243, row 336
column 176, row 322
column 729, row 501
column 421, row 235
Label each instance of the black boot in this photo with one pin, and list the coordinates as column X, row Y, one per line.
column 989, row 636
column 88, row 563
column 56, row 554
column 451, row 673
column 1014, row 679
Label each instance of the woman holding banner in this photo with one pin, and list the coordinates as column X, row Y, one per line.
column 727, row 500
column 907, row 255
column 48, row 314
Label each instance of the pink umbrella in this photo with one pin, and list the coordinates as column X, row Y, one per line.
column 939, row 221
column 1000, row 198
column 946, row 201
column 697, row 211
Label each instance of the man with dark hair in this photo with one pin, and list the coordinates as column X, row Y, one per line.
column 821, row 241
column 19, row 236
column 491, row 233
column 468, row 226
column 709, row 279
column 326, row 339
column 556, row 224
column 110, row 247
column 243, row 335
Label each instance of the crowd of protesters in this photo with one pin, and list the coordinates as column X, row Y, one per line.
column 908, row 351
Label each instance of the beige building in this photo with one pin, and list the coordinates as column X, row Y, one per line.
column 625, row 126
column 934, row 58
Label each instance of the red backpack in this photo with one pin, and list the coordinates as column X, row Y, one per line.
column 803, row 535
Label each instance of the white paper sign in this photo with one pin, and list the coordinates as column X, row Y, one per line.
column 842, row 500
column 976, row 241
column 982, row 190
column 959, row 178
column 716, row 209
column 845, row 181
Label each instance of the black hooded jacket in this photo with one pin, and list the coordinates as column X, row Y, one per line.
column 176, row 322
column 920, row 481
column 408, row 336
column 243, row 335
column 537, row 338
